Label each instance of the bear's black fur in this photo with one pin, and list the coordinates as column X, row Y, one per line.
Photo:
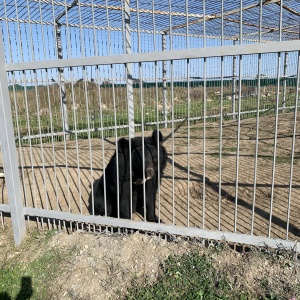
column 153, row 149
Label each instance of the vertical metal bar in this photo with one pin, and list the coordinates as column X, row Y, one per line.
column 170, row 24
column 138, row 26
column 2, row 219
column 239, row 122
column 157, row 127
column 286, row 55
column 81, row 35
column 204, row 143
column 41, row 141
column 21, row 155
column 143, row 140
column 164, row 79
column 30, row 140
column 173, row 144
column 116, row 136
column 275, row 143
column 84, row 71
column 221, row 119
column 188, row 142
column 19, row 32
column 256, row 143
column 188, row 117
column 30, row 37
column 42, row 29
column 130, row 100
column 52, row 140
column 280, row 22
column 9, row 155
column 257, row 124
column 233, row 84
column 8, row 32
column 154, row 27
column 187, row 23
column 94, row 31
column 102, row 140
column 108, row 28
column 204, row 122
column 293, row 146
column 129, row 83
column 76, row 139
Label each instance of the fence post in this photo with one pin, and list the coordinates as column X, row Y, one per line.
column 9, row 155
column 61, row 82
column 129, row 79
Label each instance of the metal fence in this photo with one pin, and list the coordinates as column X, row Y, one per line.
column 220, row 79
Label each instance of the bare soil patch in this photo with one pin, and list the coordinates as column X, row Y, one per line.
column 105, row 266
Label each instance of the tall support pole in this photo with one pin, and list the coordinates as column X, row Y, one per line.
column 284, row 81
column 64, row 109
column 9, row 155
column 164, row 78
column 129, row 81
column 61, row 80
column 233, row 84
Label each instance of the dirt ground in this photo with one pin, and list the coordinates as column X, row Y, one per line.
column 103, row 266
column 59, row 176
column 111, row 265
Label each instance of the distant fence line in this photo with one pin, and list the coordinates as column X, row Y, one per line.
column 290, row 81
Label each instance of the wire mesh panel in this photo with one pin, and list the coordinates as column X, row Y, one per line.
column 218, row 79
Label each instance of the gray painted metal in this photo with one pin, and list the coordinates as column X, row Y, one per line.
column 164, row 79
column 284, row 79
column 233, row 83
column 61, row 82
column 272, row 47
column 9, row 154
column 129, row 80
column 293, row 147
column 165, row 228
column 5, row 208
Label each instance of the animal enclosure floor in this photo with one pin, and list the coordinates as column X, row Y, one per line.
column 59, row 177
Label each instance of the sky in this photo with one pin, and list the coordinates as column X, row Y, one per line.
column 33, row 42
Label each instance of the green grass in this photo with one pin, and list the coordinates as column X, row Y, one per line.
column 30, row 280
column 190, row 276
column 193, row 277
column 27, row 115
column 279, row 159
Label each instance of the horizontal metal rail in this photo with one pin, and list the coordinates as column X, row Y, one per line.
column 245, row 49
column 165, row 228
column 4, row 208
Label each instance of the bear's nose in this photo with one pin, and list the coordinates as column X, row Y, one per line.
column 149, row 173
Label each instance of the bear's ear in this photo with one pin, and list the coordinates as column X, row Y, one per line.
column 122, row 144
column 154, row 136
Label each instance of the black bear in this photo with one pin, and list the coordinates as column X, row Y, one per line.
column 118, row 180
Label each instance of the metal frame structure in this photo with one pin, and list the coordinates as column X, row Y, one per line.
column 191, row 34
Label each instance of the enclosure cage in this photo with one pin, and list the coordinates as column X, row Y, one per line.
column 219, row 79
